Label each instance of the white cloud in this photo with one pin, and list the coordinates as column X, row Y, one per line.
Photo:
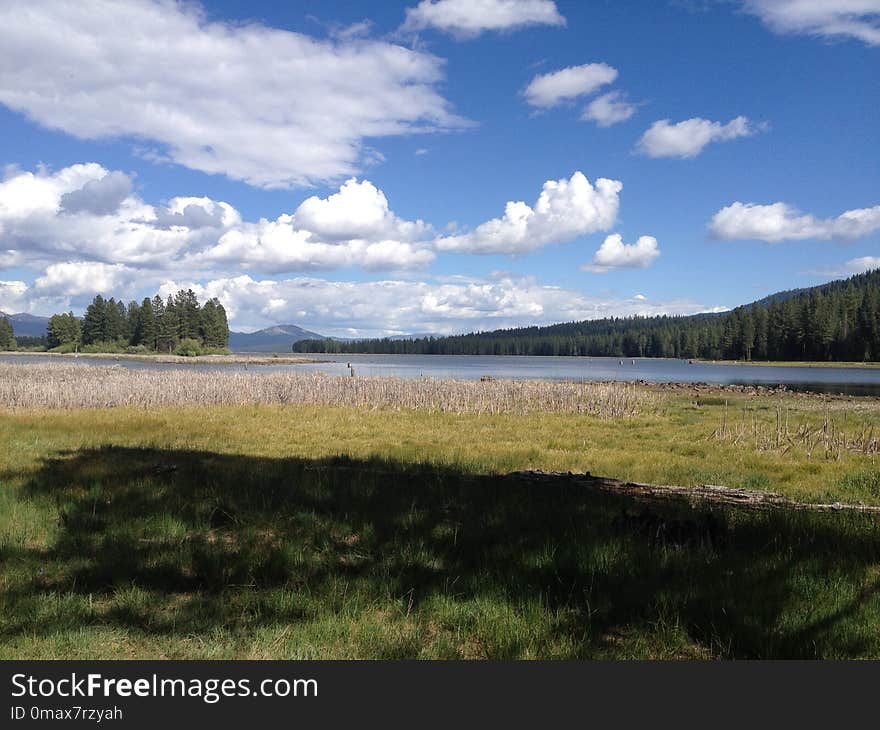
column 132, row 250
column 856, row 266
column 36, row 226
column 196, row 213
column 565, row 209
column 99, row 197
column 358, row 210
column 829, row 18
column 271, row 107
column 688, row 138
column 353, row 227
column 470, row 18
column 609, row 109
column 279, row 246
column 371, row 308
column 615, row 254
column 550, row 89
column 84, row 278
column 13, row 296
column 781, row 222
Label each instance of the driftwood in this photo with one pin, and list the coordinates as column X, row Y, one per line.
column 704, row 494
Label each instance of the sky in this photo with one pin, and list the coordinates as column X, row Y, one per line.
column 436, row 166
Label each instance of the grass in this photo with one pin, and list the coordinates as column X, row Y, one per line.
column 799, row 363
column 62, row 385
column 273, row 530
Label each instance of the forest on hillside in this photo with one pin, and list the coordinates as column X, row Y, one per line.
column 839, row 321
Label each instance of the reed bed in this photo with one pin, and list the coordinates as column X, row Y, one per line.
column 784, row 431
column 67, row 386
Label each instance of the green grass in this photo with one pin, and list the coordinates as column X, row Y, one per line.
column 305, row 532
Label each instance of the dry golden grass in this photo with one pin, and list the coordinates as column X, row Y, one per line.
column 56, row 385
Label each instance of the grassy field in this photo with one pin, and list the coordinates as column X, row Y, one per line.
column 297, row 530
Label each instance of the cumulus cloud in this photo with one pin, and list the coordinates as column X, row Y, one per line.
column 353, row 227
column 36, row 223
column 358, row 210
column 615, row 254
column 470, row 18
column 565, row 209
column 609, row 109
column 132, row 250
column 279, row 246
column 858, row 19
column 373, row 308
column 98, row 197
column 84, row 278
column 781, row 222
column 550, row 89
column 196, row 213
column 268, row 106
column 688, row 138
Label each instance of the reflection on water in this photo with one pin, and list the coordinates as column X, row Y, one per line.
column 853, row 381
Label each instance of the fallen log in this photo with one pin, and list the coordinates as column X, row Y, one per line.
column 704, row 494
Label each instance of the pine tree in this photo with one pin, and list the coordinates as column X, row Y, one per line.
column 63, row 329
column 148, row 330
column 94, row 324
column 214, row 330
column 7, row 335
column 115, row 321
column 133, row 324
column 169, row 327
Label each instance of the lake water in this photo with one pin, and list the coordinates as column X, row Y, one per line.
column 853, row 381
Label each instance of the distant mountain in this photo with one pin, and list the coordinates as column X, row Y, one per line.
column 27, row 325
column 279, row 338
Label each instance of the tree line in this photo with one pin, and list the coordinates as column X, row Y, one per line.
column 836, row 321
column 180, row 324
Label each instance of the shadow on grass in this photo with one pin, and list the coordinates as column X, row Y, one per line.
column 173, row 542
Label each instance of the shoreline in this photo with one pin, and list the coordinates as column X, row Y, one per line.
column 231, row 359
column 693, row 360
column 693, row 389
column 793, row 363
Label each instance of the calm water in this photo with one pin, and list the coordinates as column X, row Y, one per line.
column 854, row 381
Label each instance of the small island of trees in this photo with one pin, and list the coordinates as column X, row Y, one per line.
column 180, row 325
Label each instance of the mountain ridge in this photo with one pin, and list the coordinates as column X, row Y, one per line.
column 276, row 338
column 27, row 325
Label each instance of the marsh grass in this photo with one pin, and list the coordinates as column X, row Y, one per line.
column 837, row 432
column 64, row 386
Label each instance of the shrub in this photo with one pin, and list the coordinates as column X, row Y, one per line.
column 188, row 347
column 115, row 347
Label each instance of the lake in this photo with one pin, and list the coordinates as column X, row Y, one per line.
column 848, row 380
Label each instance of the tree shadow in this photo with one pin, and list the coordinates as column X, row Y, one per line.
column 187, row 531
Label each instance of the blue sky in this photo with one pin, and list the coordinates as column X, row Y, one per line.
column 153, row 145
